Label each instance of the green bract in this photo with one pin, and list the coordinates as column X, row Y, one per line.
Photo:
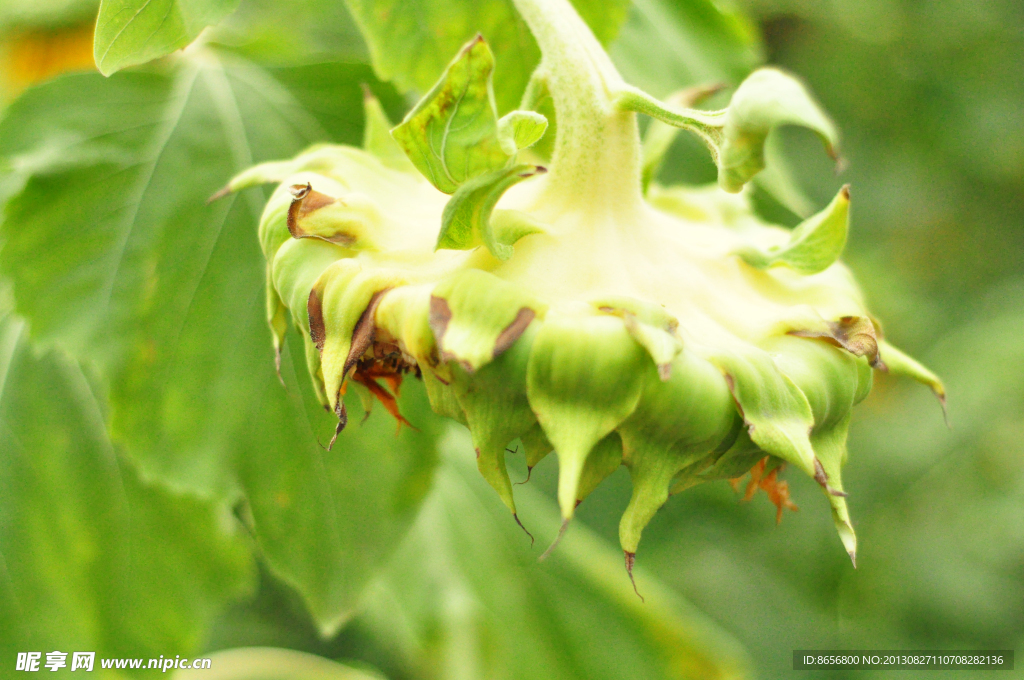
column 583, row 310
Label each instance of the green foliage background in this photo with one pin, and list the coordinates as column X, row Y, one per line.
column 160, row 493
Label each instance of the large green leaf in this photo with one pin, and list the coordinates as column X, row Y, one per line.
column 665, row 46
column 467, row 598
column 36, row 14
column 130, row 32
column 115, row 255
column 92, row 557
column 412, row 41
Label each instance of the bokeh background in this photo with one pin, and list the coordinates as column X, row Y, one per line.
column 139, row 519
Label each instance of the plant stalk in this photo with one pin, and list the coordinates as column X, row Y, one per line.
column 597, row 157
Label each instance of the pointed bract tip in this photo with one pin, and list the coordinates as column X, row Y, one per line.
column 853, row 557
column 529, row 473
column 516, row 518
column 299, row 191
column 841, row 163
column 630, row 561
column 277, row 366
column 554, row 544
column 941, row 396
column 342, row 421
column 219, row 195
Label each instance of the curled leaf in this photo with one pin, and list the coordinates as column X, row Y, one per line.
column 659, row 135
column 814, row 245
column 519, row 130
column 452, row 133
column 767, row 99
column 736, row 136
column 467, row 221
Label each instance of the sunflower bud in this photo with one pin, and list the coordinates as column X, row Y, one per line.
column 575, row 307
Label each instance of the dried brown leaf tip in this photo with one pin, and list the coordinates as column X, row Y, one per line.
column 855, row 334
column 306, row 202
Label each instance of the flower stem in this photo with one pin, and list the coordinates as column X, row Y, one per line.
column 597, row 157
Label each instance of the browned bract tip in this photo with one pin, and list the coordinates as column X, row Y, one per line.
column 841, row 163
column 315, row 312
column 941, row 396
column 512, row 331
column 367, row 92
column 731, row 384
column 516, row 518
column 853, row 557
column 342, row 414
column 305, row 201
column 529, row 473
column 439, row 317
column 855, row 334
column 630, row 561
column 845, row 191
column 277, row 366
column 554, row 544
column 364, row 332
column 219, row 195
column 664, row 372
column 821, row 478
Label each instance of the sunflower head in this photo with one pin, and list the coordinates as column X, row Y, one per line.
column 569, row 302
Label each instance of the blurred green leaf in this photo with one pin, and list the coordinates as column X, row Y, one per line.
column 269, row 663
column 329, row 521
column 92, row 557
column 666, row 45
column 292, row 33
column 114, row 254
column 412, row 41
column 466, row 597
column 131, row 32
column 36, row 14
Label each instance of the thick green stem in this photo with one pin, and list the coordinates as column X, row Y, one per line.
column 597, row 158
